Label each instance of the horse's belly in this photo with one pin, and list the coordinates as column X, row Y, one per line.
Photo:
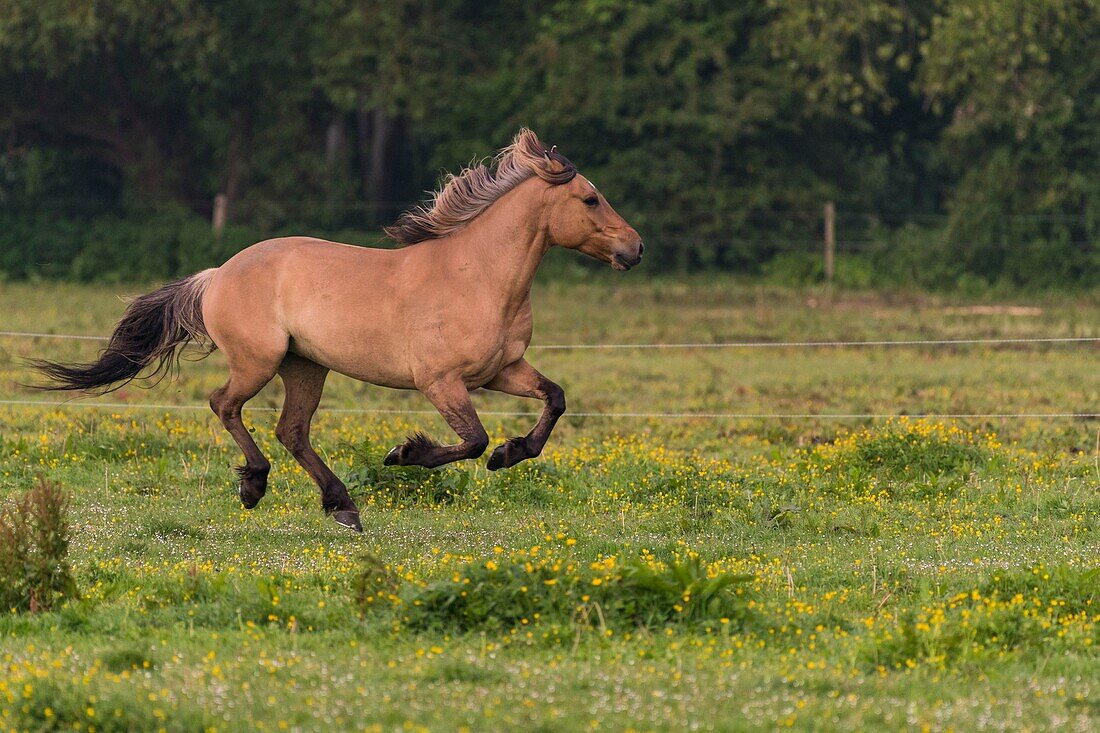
column 358, row 357
column 483, row 371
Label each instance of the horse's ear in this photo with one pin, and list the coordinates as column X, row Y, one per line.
column 556, row 163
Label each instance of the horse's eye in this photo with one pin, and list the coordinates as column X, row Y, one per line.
column 592, row 201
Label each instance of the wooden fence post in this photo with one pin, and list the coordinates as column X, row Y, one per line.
column 221, row 209
column 830, row 240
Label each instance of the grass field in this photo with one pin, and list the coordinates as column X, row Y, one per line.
column 904, row 573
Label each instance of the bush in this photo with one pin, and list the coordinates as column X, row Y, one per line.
column 143, row 244
column 1014, row 609
column 907, row 449
column 527, row 590
column 128, row 246
column 795, row 268
column 405, row 484
column 123, row 246
column 34, row 548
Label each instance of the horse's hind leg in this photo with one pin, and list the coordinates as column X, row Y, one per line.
column 226, row 402
column 304, row 380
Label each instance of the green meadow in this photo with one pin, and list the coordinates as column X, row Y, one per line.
column 741, row 570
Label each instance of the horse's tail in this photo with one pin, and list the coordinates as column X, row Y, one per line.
column 150, row 332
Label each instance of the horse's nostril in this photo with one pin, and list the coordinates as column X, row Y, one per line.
column 641, row 247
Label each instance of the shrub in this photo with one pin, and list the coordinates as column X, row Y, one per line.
column 795, row 268
column 1013, row 609
column 133, row 244
column 918, row 448
column 34, row 548
column 405, row 484
column 526, row 590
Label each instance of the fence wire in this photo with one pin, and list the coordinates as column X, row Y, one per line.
column 53, row 404
column 664, row 415
column 712, row 344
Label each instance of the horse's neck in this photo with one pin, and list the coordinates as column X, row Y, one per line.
column 503, row 247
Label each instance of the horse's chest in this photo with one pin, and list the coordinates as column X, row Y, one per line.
column 497, row 350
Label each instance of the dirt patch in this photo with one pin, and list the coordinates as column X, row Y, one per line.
column 1025, row 311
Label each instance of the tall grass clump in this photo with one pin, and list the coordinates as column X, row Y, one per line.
column 921, row 448
column 492, row 595
column 34, row 549
column 405, row 484
column 911, row 449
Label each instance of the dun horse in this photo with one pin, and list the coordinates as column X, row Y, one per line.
column 451, row 314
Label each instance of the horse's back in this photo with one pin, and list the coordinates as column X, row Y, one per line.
column 275, row 264
column 324, row 300
column 271, row 256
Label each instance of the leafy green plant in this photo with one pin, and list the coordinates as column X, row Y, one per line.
column 405, row 483
column 34, row 548
column 486, row 596
column 900, row 453
column 684, row 590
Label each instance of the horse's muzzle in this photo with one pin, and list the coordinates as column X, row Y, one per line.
column 624, row 261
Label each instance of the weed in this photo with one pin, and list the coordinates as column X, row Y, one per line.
column 918, row 450
column 406, row 484
column 34, row 549
column 489, row 595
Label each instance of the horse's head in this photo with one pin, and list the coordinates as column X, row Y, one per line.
column 576, row 214
column 582, row 219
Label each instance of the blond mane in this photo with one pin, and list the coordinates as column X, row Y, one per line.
column 462, row 197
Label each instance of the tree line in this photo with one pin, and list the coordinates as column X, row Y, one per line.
column 964, row 133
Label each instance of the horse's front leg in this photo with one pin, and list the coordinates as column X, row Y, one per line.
column 452, row 399
column 523, row 380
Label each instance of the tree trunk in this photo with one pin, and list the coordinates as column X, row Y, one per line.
column 375, row 130
column 381, row 130
column 335, row 142
column 236, row 159
column 362, row 151
column 336, row 166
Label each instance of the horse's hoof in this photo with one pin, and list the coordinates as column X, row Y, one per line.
column 508, row 454
column 252, row 486
column 393, row 458
column 249, row 500
column 348, row 518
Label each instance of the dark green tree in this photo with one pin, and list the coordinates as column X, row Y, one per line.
column 1022, row 81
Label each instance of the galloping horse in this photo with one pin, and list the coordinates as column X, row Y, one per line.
column 451, row 314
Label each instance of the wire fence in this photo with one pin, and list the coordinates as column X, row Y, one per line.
column 643, row 415
column 995, row 341
column 56, row 404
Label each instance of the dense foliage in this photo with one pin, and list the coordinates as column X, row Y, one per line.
column 959, row 138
